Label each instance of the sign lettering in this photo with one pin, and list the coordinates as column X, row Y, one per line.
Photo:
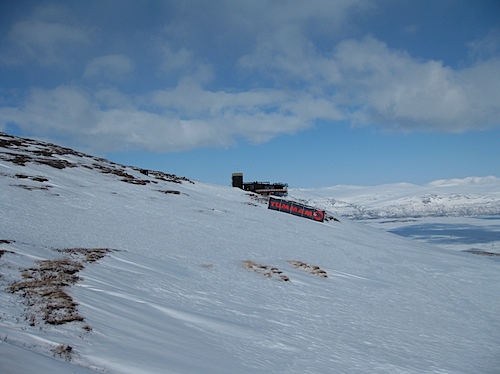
column 296, row 209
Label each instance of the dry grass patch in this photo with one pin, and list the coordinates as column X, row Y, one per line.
column 168, row 177
column 265, row 270
column 63, row 351
column 86, row 254
column 44, row 286
column 174, row 192
column 311, row 269
column 32, row 188
column 36, row 179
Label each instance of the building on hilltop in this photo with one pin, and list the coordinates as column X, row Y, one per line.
column 238, row 180
column 262, row 188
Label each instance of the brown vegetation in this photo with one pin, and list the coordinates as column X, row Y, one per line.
column 32, row 188
column 44, row 286
column 63, row 351
column 265, row 270
column 23, row 151
column 311, row 269
column 174, row 192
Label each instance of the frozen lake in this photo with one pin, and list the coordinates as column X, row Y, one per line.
column 454, row 233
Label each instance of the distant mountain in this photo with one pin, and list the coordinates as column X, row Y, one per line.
column 453, row 197
column 108, row 268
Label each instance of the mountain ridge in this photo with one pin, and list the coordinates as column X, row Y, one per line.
column 453, row 197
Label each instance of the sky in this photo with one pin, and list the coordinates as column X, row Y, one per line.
column 313, row 94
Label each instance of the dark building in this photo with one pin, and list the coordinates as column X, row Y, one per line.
column 262, row 188
column 238, row 180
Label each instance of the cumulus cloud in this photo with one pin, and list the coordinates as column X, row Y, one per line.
column 396, row 91
column 371, row 83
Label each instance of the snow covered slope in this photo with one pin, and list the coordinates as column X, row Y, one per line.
column 453, row 197
column 160, row 274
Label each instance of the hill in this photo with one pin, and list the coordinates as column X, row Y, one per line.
column 109, row 268
column 442, row 198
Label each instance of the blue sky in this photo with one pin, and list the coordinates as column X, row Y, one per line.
column 314, row 93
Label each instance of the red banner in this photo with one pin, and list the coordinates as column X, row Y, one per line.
column 296, row 209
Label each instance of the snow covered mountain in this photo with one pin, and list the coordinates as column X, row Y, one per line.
column 112, row 269
column 453, row 197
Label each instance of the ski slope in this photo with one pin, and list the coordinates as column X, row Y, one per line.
column 175, row 292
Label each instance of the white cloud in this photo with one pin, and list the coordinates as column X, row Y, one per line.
column 288, row 69
column 64, row 110
column 362, row 81
column 109, row 67
column 182, row 64
column 287, row 48
column 481, row 83
column 373, row 84
column 108, row 120
column 486, row 47
column 175, row 60
column 112, row 98
column 191, row 100
column 396, row 91
column 45, row 37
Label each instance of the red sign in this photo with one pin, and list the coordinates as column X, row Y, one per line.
column 296, row 209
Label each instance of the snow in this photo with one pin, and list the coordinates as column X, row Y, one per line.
column 452, row 233
column 454, row 197
column 454, row 214
column 173, row 295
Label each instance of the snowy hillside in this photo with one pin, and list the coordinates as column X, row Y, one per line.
column 106, row 269
column 454, row 197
